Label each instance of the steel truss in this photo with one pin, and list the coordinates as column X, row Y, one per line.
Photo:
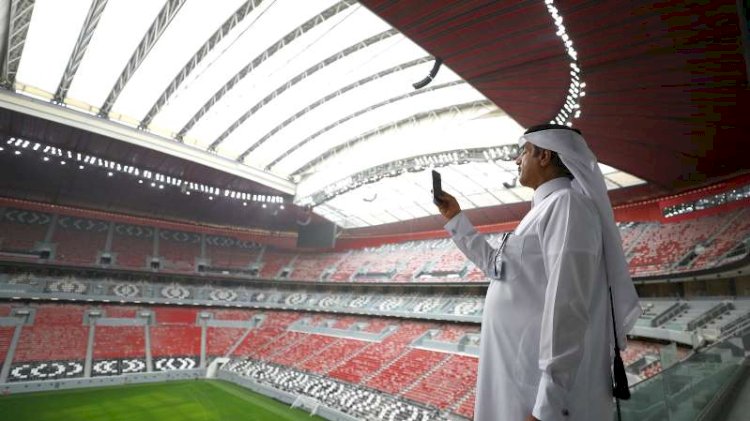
column 226, row 27
column 357, row 114
column 424, row 115
column 157, row 28
column 288, row 38
column 18, row 26
column 329, row 97
column 305, row 74
column 87, row 31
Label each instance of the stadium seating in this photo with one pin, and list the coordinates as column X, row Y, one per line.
column 404, row 371
column 119, row 342
column 79, row 240
column 448, row 383
column 58, row 334
column 179, row 250
column 311, row 267
column 303, row 350
column 176, row 332
column 231, row 253
column 220, row 339
column 20, row 229
column 273, row 262
column 132, row 245
column 376, row 355
column 652, row 248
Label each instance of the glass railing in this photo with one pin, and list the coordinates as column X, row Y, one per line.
column 686, row 390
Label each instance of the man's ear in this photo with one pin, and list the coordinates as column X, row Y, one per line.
column 546, row 158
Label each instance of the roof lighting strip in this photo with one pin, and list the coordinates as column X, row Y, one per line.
column 155, row 179
column 413, row 164
column 572, row 107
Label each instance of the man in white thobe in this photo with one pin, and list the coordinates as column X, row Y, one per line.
column 546, row 347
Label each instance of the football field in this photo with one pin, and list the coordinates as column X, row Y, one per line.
column 198, row 400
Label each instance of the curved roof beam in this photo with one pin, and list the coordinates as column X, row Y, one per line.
column 415, row 163
column 160, row 24
column 19, row 19
column 226, row 27
column 291, row 36
column 357, row 114
column 305, row 74
column 377, row 131
column 329, row 97
column 87, row 31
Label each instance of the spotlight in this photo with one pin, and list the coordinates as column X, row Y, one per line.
column 1, row 149
column 161, row 186
column 244, row 203
column 153, row 184
column 281, row 207
column 140, row 181
column 109, row 174
column 80, row 167
column 264, row 206
column 17, row 152
column 46, row 158
column 62, row 162
column 210, row 198
column 187, row 193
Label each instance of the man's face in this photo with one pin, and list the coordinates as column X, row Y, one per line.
column 529, row 167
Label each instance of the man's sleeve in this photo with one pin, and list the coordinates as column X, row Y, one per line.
column 473, row 245
column 571, row 247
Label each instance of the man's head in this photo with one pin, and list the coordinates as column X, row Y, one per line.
column 537, row 165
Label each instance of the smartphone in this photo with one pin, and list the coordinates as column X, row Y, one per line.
column 437, row 187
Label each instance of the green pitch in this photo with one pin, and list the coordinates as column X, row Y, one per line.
column 199, row 400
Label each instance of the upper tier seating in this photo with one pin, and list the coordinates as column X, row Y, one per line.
column 273, row 262
column 79, row 241
column 310, row 267
column 132, row 245
column 652, row 248
column 21, row 229
column 228, row 252
column 179, row 250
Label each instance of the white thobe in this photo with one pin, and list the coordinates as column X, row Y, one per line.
column 546, row 328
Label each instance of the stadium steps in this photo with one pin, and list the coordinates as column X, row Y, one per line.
column 424, row 375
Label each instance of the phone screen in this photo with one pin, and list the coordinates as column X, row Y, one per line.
column 437, row 188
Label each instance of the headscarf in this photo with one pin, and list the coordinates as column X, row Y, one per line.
column 589, row 180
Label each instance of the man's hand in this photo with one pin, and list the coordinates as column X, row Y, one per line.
column 532, row 418
column 448, row 206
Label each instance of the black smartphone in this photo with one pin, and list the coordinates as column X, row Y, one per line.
column 437, row 187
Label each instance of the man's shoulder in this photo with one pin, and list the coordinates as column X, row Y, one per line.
column 572, row 199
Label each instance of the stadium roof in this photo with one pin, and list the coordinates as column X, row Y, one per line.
column 314, row 98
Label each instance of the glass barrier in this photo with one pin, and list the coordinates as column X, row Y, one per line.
column 684, row 391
